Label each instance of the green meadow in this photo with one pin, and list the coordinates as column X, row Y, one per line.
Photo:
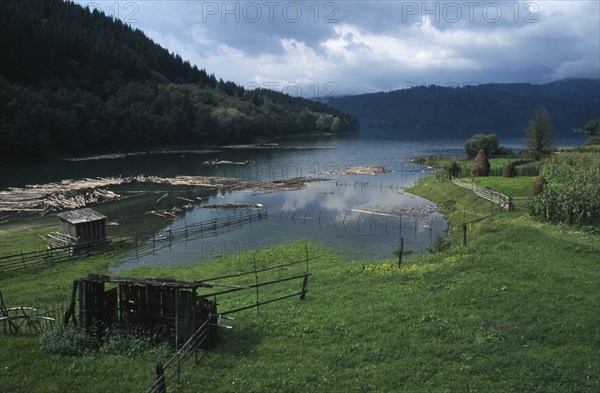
column 515, row 310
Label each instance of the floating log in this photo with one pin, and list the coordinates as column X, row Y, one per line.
column 74, row 194
column 233, row 206
column 424, row 211
column 224, row 162
column 293, row 184
column 162, row 197
column 359, row 170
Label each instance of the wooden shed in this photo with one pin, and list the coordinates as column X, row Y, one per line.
column 164, row 308
column 80, row 228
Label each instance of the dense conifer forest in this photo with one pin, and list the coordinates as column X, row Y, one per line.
column 75, row 81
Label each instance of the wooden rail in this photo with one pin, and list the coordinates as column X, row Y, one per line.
column 170, row 373
column 142, row 243
column 505, row 202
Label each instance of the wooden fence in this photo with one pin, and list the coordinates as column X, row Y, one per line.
column 172, row 368
column 19, row 319
column 143, row 242
column 505, row 202
column 171, row 371
column 183, row 311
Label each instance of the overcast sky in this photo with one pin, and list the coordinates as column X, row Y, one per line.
column 319, row 49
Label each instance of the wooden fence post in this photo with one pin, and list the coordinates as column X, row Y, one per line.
column 177, row 319
column 186, row 230
column 304, row 285
column 136, row 246
column 70, row 313
column 464, row 234
column 161, row 385
column 401, row 251
column 256, row 282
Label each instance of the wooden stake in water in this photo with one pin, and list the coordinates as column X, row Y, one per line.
column 400, row 251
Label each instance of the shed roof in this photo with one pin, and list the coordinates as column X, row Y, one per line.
column 154, row 282
column 81, row 215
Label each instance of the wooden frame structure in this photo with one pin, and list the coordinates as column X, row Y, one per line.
column 79, row 229
column 173, row 309
column 162, row 308
column 167, row 308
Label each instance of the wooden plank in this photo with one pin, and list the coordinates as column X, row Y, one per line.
column 110, row 307
column 82, row 304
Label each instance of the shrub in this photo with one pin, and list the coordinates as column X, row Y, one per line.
column 592, row 141
column 504, row 151
column 452, row 168
column 440, row 244
column 131, row 345
column 508, row 170
column 485, row 142
column 67, row 340
column 481, row 165
column 119, row 343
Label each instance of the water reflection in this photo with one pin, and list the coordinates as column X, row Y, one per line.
column 362, row 217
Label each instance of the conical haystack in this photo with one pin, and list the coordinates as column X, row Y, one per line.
column 508, row 170
column 538, row 185
column 481, row 165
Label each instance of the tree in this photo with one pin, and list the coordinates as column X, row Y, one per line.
column 73, row 82
column 538, row 135
column 592, row 127
column 485, row 142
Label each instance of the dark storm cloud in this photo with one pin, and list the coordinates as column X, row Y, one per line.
column 362, row 46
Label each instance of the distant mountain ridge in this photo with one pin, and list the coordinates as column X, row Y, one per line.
column 504, row 109
column 75, row 81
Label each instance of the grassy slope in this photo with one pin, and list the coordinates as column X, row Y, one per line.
column 458, row 204
column 515, row 310
column 25, row 237
column 514, row 187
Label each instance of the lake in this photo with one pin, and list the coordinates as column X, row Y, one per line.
column 360, row 216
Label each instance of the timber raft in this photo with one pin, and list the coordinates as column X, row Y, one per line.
column 53, row 197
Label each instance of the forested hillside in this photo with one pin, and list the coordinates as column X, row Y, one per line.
column 501, row 108
column 74, row 82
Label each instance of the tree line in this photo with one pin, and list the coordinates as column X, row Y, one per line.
column 75, row 81
column 435, row 110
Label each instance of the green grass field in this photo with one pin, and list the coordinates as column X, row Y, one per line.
column 513, row 186
column 516, row 310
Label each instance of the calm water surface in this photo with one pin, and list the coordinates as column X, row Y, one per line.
column 335, row 212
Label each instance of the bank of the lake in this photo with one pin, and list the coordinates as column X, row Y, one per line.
column 514, row 310
column 337, row 212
